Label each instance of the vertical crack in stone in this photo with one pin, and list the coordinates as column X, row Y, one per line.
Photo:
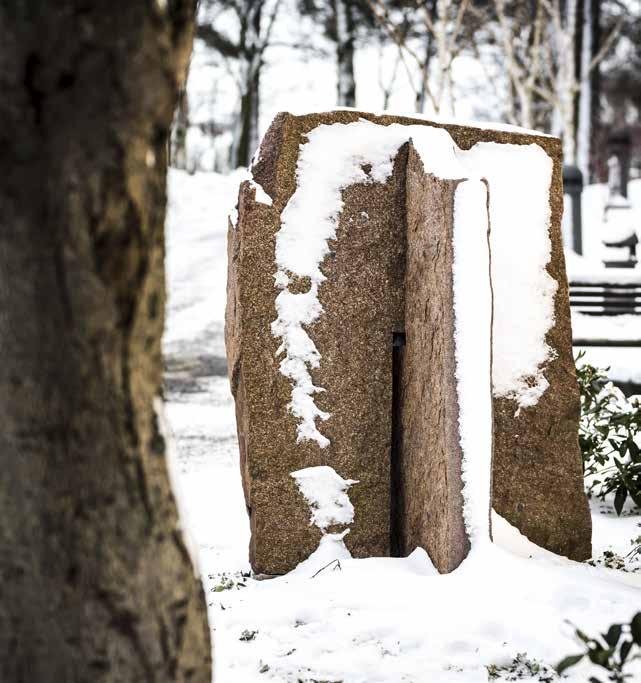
column 396, row 504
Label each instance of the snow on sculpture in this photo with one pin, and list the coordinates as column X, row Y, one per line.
column 325, row 491
column 400, row 312
column 333, row 158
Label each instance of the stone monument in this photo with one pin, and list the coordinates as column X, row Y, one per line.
column 398, row 313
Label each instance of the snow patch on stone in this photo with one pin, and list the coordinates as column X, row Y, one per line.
column 260, row 195
column 467, row 123
column 472, row 349
column 326, row 493
column 331, row 550
column 333, row 158
column 519, row 176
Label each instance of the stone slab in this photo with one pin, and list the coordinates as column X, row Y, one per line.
column 427, row 455
column 537, row 476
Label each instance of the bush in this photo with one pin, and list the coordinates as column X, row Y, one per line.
column 608, row 430
column 611, row 650
column 522, row 666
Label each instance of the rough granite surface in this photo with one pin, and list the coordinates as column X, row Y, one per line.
column 426, row 480
column 537, row 473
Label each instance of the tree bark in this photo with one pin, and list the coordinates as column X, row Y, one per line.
column 248, row 121
column 179, row 131
column 251, row 63
column 96, row 583
column 345, row 49
column 584, row 107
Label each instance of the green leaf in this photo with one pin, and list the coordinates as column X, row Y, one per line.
column 635, row 628
column 582, row 636
column 619, row 498
column 625, row 650
column 636, row 496
column 600, row 656
column 567, row 662
column 613, row 635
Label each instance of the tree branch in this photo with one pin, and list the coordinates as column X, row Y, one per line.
column 217, row 40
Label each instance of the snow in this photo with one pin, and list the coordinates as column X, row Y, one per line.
column 308, row 222
column 519, row 178
column 624, row 363
column 184, row 514
column 593, row 201
column 198, row 265
column 336, row 156
column 619, row 224
column 331, row 550
column 259, row 193
column 590, row 270
column 473, row 333
column 611, row 327
column 384, row 620
column 294, row 311
column 325, row 491
column 377, row 620
column 445, row 120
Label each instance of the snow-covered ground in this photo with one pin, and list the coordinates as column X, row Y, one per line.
column 357, row 621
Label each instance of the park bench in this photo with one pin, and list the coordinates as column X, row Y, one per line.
column 606, row 299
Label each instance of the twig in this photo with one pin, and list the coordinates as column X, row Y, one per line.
column 338, row 566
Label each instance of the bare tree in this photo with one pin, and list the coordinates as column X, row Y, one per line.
column 344, row 23
column 345, row 16
column 539, row 48
column 96, row 581
column 439, row 24
column 245, row 58
column 520, row 37
column 386, row 82
column 179, row 131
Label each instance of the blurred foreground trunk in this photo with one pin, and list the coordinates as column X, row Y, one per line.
column 96, row 584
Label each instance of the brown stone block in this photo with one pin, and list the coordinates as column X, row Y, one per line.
column 362, row 303
column 537, row 468
column 427, row 454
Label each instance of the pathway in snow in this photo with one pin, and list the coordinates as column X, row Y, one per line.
column 200, row 407
column 363, row 621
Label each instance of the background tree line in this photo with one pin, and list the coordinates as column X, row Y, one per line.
column 568, row 67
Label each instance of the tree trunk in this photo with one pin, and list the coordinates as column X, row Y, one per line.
column 248, row 122
column 251, row 62
column 584, row 106
column 421, row 96
column 96, row 583
column 179, row 130
column 345, row 47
